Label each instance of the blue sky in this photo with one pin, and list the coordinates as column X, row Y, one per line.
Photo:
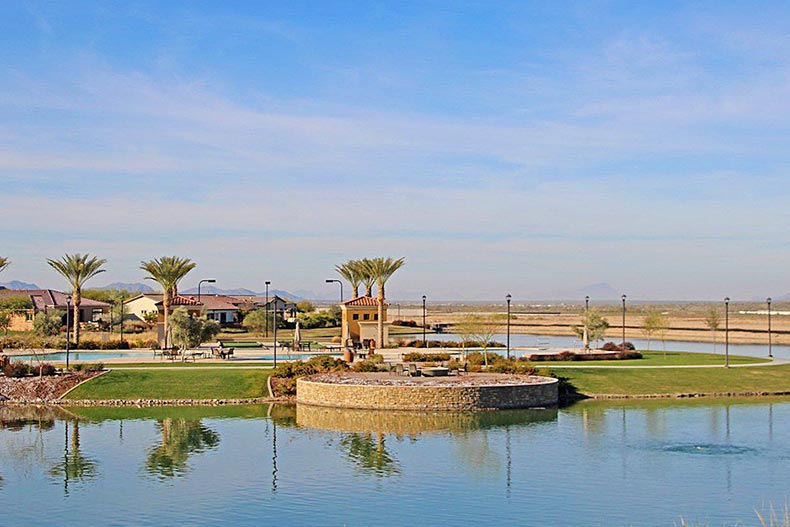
column 529, row 148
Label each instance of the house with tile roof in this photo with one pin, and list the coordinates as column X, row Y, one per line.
column 138, row 307
column 360, row 322
column 45, row 300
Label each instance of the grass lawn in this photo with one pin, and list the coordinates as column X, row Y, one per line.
column 179, row 364
column 670, row 358
column 629, row 381
column 194, row 383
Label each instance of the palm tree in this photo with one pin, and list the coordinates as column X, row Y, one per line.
column 77, row 269
column 366, row 276
column 167, row 271
column 351, row 272
column 382, row 269
column 4, row 262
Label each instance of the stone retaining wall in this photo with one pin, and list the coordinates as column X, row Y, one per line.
column 459, row 398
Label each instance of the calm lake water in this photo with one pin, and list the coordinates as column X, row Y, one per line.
column 560, row 341
column 644, row 463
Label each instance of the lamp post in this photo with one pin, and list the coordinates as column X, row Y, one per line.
column 770, row 350
column 275, row 334
column 121, row 321
column 424, row 338
column 623, row 298
column 508, row 298
column 207, row 281
column 331, row 281
column 586, row 303
column 68, row 335
column 266, row 331
column 727, row 332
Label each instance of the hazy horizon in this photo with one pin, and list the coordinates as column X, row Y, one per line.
column 522, row 148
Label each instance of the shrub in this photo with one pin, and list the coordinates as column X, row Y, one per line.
column 367, row 366
column 405, row 323
column 425, row 357
column 611, row 346
column 511, row 366
column 16, row 369
column 285, row 375
column 45, row 369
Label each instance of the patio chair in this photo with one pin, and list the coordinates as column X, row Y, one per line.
column 399, row 370
column 462, row 370
column 414, row 371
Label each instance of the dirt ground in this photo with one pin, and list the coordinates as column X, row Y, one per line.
column 686, row 321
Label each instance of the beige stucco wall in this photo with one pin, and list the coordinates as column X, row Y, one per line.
column 499, row 396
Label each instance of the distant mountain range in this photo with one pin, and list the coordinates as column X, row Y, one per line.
column 137, row 287
column 16, row 284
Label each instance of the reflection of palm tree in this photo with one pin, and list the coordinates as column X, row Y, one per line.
column 180, row 438
column 75, row 466
column 370, row 454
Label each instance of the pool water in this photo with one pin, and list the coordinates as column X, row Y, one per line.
column 608, row 464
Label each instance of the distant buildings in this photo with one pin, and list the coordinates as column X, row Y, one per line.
column 225, row 309
column 44, row 300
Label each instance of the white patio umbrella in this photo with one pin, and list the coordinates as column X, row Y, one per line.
column 585, row 339
column 297, row 336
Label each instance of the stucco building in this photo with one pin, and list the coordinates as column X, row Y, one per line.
column 360, row 322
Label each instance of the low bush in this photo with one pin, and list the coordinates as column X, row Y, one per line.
column 16, row 369
column 45, row 369
column 425, row 357
column 368, row 366
column 285, row 375
column 625, row 346
column 418, row 343
column 512, row 366
column 405, row 323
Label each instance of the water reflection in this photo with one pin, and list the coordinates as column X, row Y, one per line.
column 712, row 461
column 370, row 454
column 75, row 466
column 180, row 438
column 414, row 424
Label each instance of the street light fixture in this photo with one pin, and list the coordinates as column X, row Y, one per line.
column 727, row 332
column 424, row 338
column 207, row 281
column 68, row 335
column 770, row 350
column 121, row 321
column 331, row 281
column 266, row 331
column 508, row 298
column 275, row 334
column 623, row 298
column 586, row 303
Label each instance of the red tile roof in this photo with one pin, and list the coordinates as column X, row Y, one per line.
column 179, row 300
column 363, row 301
column 42, row 298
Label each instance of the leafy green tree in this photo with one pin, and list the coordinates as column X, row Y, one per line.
column 713, row 321
column 653, row 323
column 167, row 271
column 305, row 306
column 191, row 332
column 77, row 269
column 256, row 320
column 595, row 323
column 9, row 305
column 48, row 324
column 150, row 318
column 382, row 270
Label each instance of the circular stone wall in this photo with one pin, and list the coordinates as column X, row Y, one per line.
column 387, row 392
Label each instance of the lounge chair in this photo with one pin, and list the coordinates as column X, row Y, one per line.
column 414, row 371
column 399, row 370
column 462, row 370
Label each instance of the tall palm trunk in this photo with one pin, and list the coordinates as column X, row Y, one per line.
column 76, row 300
column 166, row 301
column 380, row 297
